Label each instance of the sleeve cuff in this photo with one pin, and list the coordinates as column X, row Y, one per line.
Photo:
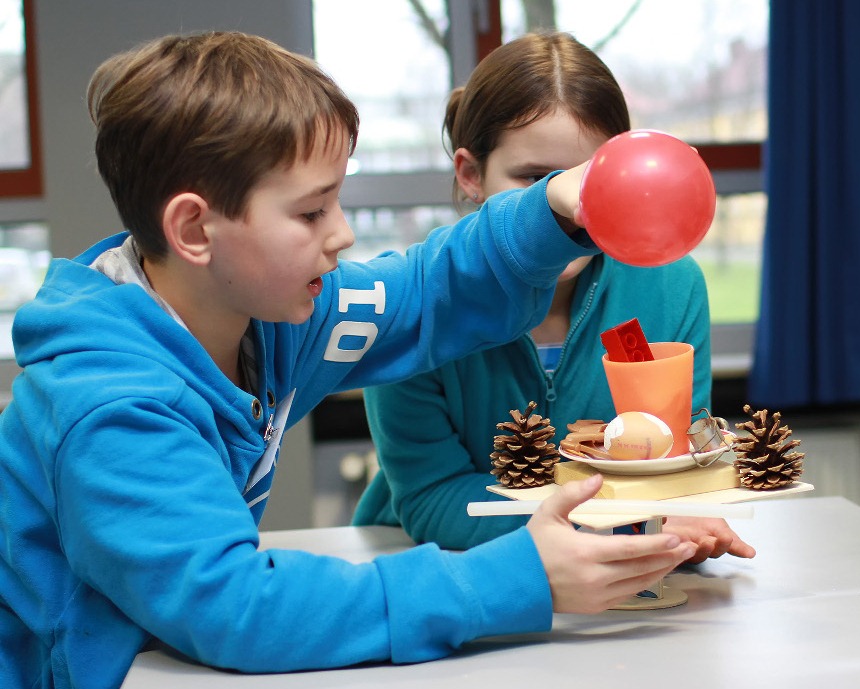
column 526, row 211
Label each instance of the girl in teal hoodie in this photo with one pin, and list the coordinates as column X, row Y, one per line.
column 539, row 103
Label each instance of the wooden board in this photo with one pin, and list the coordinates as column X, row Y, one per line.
column 609, row 521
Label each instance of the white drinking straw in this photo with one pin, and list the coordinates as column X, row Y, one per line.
column 602, row 506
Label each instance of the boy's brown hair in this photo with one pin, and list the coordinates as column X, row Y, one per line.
column 208, row 113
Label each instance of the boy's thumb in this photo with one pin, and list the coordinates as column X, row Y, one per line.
column 572, row 494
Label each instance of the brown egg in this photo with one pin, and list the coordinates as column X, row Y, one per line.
column 637, row 435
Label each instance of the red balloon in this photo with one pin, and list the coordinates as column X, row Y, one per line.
column 647, row 198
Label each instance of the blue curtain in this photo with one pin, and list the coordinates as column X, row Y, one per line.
column 807, row 350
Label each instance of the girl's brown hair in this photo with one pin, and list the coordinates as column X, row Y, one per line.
column 209, row 113
column 520, row 81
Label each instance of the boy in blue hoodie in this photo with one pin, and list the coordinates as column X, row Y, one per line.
column 162, row 366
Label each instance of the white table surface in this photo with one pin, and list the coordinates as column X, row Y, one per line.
column 788, row 618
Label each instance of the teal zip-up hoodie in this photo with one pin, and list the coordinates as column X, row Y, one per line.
column 133, row 473
column 434, row 433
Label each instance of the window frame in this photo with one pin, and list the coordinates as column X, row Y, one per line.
column 27, row 182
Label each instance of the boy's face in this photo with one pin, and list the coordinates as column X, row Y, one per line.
column 268, row 264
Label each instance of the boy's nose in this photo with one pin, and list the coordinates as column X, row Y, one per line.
column 341, row 236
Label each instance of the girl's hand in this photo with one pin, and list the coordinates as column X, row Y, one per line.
column 712, row 537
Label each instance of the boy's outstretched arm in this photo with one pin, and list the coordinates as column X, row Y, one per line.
column 589, row 573
column 479, row 283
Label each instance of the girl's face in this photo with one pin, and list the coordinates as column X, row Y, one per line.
column 524, row 155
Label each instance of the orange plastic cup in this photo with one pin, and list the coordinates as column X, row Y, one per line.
column 662, row 387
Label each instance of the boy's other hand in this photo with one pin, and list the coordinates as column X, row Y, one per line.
column 589, row 573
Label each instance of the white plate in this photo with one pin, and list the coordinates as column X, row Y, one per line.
column 646, row 467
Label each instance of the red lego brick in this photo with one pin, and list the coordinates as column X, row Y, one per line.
column 626, row 342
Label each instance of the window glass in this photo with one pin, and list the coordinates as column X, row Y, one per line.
column 23, row 245
column 397, row 72
column 380, row 229
column 14, row 129
column 696, row 70
column 23, row 262
column 730, row 257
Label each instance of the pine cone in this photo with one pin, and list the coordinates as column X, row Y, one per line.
column 765, row 459
column 524, row 459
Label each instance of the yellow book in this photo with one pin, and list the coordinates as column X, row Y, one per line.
column 718, row 476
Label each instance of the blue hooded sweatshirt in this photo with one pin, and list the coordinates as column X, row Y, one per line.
column 133, row 473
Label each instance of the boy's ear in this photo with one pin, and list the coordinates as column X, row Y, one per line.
column 183, row 221
column 468, row 173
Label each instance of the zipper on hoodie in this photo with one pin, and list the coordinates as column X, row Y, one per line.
column 589, row 299
column 549, row 376
column 551, row 394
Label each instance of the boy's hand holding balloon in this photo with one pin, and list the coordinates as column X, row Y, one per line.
column 646, row 198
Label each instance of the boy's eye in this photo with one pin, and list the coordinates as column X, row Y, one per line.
column 314, row 215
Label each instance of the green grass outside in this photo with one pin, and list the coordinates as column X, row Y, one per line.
column 733, row 291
